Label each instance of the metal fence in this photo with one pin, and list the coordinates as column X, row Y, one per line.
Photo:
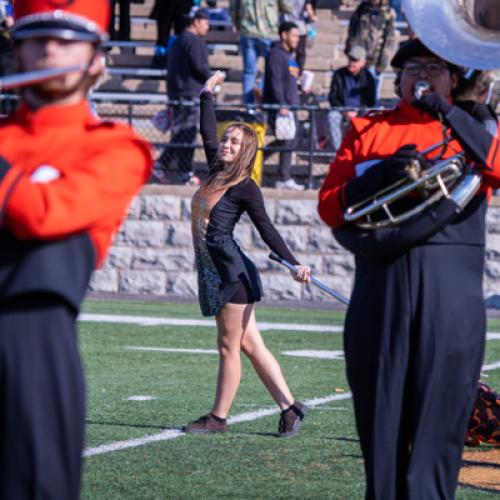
column 173, row 129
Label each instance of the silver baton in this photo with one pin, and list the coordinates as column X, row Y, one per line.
column 314, row 280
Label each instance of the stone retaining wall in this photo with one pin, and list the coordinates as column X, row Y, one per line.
column 152, row 253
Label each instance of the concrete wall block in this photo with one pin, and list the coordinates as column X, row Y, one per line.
column 119, row 258
column 183, row 284
column 315, row 262
column 104, row 280
column 163, row 259
column 186, row 209
column 152, row 282
column 263, row 262
column 493, row 220
column 493, row 245
column 339, row 265
column 179, row 235
column 302, row 212
column 280, row 286
column 341, row 286
column 142, row 234
column 492, row 269
column 295, row 237
column 243, row 234
column 134, row 209
column 320, row 240
column 161, row 207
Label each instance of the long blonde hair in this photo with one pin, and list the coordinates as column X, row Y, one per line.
column 226, row 175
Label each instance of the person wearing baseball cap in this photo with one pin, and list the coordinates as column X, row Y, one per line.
column 66, row 180
column 415, row 329
column 352, row 87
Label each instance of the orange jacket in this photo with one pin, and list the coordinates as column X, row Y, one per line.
column 69, row 173
column 66, row 179
column 377, row 137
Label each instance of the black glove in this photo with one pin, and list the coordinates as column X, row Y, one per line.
column 381, row 175
column 433, row 104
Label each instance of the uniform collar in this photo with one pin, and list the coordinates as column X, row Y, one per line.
column 56, row 115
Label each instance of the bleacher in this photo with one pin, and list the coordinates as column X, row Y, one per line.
column 134, row 90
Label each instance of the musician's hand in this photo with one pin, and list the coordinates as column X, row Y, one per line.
column 302, row 274
column 395, row 166
column 382, row 175
column 433, row 104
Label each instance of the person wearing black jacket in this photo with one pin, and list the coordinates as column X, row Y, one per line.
column 188, row 69
column 168, row 13
column 280, row 88
column 352, row 86
column 228, row 280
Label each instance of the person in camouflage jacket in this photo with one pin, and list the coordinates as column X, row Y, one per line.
column 257, row 21
column 372, row 27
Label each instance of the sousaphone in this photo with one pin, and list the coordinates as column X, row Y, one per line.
column 465, row 33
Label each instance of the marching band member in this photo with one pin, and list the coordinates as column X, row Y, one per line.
column 66, row 179
column 228, row 280
column 415, row 328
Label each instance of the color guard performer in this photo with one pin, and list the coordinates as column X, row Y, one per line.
column 415, row 328
column 66, row 179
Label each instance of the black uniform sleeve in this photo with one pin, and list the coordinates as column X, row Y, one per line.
column 208, row 128
column 250, row 197
column 474, row 137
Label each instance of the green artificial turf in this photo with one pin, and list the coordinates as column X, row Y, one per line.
column 249, row 461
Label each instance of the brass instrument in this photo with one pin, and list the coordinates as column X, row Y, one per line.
column 465, row 33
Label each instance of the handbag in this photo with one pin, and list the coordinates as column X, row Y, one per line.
column 285, row 127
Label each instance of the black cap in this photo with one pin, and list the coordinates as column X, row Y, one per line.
column 415, row 48
column 410, row 49
column 196, row 13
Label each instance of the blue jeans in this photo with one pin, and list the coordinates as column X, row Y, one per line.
column 251, row 50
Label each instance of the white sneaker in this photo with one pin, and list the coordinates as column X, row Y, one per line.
column 289, row 184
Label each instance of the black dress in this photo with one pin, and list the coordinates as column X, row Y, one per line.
column 222, row 266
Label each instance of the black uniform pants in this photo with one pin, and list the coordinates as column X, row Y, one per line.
column 414, row 344
column 42, row 400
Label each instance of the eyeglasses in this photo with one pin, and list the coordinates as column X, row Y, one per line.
column 432, row 69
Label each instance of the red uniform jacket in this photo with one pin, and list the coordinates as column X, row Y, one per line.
column 65, row 185
column 377, row 137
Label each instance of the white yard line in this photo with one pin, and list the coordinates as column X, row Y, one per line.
column 168, row 434
column 166, row 349
column 157, row 321
column 491, row 366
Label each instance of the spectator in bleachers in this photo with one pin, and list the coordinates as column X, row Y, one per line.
column 372, row 26
column 280, row 87
column 474, row 95
column 168, row 14
column 302, row 15
column 123, row 32
column 6, row 54
column 257, row 23
column 352, row 86
column 188, row 70
column 396, row 5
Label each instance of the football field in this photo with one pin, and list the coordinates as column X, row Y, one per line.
column 150, row 368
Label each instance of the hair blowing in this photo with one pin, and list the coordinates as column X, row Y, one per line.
column 227, row 175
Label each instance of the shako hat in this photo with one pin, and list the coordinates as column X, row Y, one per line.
column 85, row 20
